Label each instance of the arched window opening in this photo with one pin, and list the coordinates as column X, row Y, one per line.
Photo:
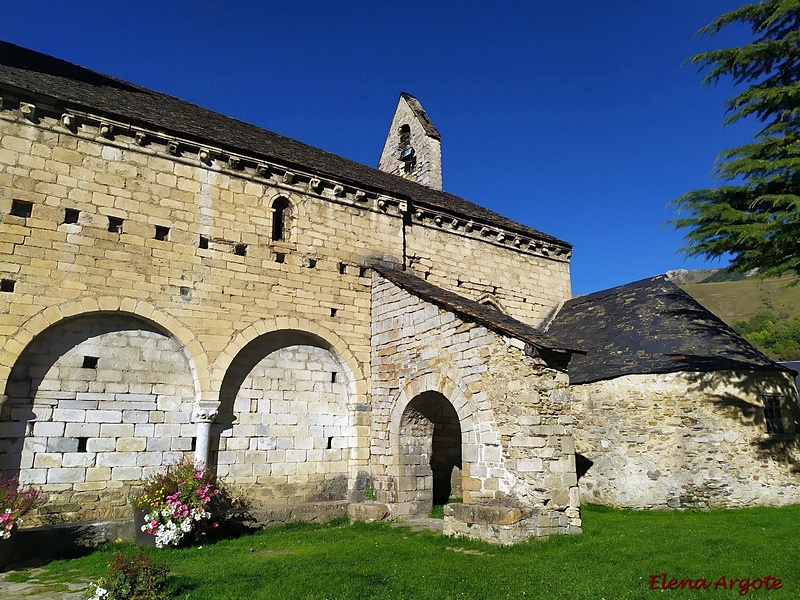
column 405, row 137
column 406, row 152
column 281, row 219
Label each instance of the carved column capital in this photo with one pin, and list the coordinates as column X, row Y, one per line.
column 205, row 412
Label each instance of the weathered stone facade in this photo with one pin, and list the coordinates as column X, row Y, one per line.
column 176, row 283
column 207, row 291
column 686, row 440
column 438, row 379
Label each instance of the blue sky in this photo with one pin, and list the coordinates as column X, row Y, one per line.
column 574, row 118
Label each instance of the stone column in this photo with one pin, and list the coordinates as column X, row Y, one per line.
column 204, row 414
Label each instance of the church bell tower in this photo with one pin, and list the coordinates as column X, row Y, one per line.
column 413, row 146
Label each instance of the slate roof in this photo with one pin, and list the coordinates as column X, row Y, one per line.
column 650, row 326
column 76, row 87
column 472, row 311
column 419, row 112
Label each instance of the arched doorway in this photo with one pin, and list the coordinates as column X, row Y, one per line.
column 430, row 454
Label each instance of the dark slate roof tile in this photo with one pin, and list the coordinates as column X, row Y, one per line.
column 650, row 326
column 79, row 88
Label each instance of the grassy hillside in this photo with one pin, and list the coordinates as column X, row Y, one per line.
column 771, row 308
column 735, row 301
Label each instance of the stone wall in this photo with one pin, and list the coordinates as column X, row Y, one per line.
column 287, row 436
column 93, row 405
column 686, row 440
column 104, row 220
column 526, row 287
column 516, row 441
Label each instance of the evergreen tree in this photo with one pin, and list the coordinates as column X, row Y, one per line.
column 755, row 213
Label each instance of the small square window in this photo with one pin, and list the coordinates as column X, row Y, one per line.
column 362, row 271
column 162, row 233
column 115, row 224
column 342, row 268
column 82, row 444
column 240, row 249
column 90, row 362
column 71, row 216
column 280, row 257
column 334, row 312
column 312, row 263
column 7, row 285
column 203, row 243
column 21, row 208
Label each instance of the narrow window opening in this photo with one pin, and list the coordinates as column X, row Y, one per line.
column 427, row 274
column 82, row 444
column 193, row 445
column 203, row 243
column 362, row 271
column 7, row 285
column 280, row 219
column 405, row 137
column 185, row 291
column 71, row 216
column 330, row 443
column 334, row 312
column 342, row 268
column 253, row 405
column 162, row 233
column 772, row 414
column 240, row 249
column 280, row 257
column 21, row 208
column 115, row 224
column 334, row 376
column 312, row 263
column 90, row 362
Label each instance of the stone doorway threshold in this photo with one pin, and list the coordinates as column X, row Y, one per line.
column 421, row 524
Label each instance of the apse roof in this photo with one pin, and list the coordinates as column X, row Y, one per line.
column 649, row 326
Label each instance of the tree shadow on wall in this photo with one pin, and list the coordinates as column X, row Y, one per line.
column 781, row 448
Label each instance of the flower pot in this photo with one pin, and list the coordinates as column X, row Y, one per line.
column 142, row 537
column 7, row 548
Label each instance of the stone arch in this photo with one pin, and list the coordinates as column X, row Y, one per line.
column 492, row 301
column 43, row 320
column 95, row 401
column 286, row 425
column 357, row 383
column 432, row 438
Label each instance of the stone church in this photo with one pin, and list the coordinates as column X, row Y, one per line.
column 176, row 283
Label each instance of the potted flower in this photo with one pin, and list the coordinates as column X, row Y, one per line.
column 15, row 503
column 178, row 501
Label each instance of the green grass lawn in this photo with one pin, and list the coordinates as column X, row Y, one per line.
column 613, row 559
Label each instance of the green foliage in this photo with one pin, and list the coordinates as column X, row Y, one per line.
column 136, row 577
column 613, row 558
column 778, row 338
column 756, row 215
column 15, row 503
